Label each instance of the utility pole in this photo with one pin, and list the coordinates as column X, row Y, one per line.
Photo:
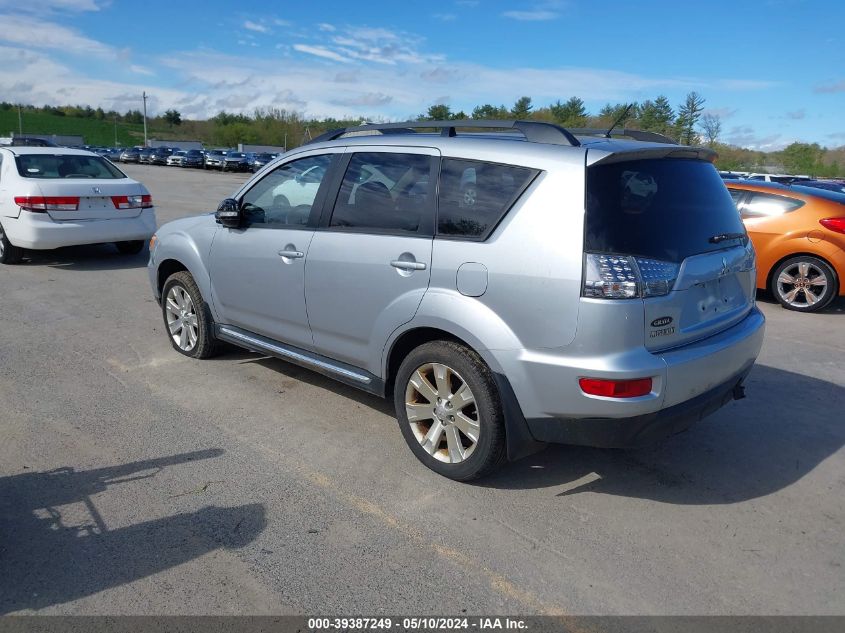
column 144, row 96
column 20, row 121
column 115, row 130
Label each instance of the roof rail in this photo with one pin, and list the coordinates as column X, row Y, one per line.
column 534, row 131
column 637, row 135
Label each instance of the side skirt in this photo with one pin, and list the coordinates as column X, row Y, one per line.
column 342, row 372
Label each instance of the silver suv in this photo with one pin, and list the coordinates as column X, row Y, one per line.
column 506, row 283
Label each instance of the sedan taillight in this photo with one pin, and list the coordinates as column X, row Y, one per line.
column 42, row 204
column 132, row 202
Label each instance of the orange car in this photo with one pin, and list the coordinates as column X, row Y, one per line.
column 799, row 235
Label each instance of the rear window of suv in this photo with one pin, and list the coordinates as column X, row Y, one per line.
column 66, row 166
column 666, row 209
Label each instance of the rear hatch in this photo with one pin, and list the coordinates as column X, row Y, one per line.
column 666, row 232
column 81, row 187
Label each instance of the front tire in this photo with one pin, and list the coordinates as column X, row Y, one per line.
column 9, row 254
column 130, row 248
column 804, row 283
column 449, row 410
column 187, row 318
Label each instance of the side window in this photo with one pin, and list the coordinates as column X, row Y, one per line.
column 284, row 197
column 385, row 191
column 764, row 205
column 474, row 196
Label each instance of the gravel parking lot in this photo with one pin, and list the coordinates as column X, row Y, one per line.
column 135, row 481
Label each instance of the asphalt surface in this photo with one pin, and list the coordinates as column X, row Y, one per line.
column 136, row 481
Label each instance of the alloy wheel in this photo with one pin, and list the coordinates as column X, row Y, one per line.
column 442, row 412
column 181, row 318
column 802, row 284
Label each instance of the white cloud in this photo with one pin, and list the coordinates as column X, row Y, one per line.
column 831, row 88
column 745, row 136
column 444, row 17
column 34, row 33
column 722, row 113
column 141, row 70
column 255, row 26
column 46, row 6
column 320, row 51
column 325, row 26
column 536, row 15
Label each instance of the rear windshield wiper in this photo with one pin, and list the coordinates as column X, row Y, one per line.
column 723, row 237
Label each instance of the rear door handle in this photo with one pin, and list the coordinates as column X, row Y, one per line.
column 403, row 265
column 291, row 254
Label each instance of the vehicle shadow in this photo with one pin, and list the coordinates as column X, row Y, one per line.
column 87, row 257
column 56, row 547
column 837, row 306
column 788, row 425
column 302, row 374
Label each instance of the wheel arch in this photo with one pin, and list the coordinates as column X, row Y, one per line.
column 519, row 441
column 166, row 268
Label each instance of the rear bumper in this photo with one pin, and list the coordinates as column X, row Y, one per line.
column 642, row 429
column 689, row 383
column 36, row 231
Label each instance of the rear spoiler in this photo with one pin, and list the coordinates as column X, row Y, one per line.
column 596, row 156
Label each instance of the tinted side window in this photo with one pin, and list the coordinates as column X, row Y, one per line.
column 386, row 192
column 764, row 205
column 474, row 195
column 285, row 195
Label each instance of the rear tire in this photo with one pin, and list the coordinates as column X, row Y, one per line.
column 130, row 248
column 449, row 411
column 9, row 254
column 804, row 283
column 187, row 318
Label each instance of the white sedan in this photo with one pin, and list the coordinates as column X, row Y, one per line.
column 54, row 196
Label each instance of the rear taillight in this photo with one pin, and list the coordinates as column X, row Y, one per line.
column 132, row 202
column 610, row 276
column 41, row 204
column 615, row 388
column 834, row 224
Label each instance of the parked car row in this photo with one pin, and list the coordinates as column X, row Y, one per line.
column 222, row 159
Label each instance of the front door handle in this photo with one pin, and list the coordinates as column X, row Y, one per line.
column 291, row 254
column 403, row 265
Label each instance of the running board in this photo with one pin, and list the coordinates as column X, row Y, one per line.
column 339, row 371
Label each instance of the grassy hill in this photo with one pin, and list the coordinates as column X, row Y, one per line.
column 94, row 131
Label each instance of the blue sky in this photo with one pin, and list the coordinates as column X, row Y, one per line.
column 773, row 70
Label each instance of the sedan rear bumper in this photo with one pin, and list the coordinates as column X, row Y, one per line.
column 36, row 231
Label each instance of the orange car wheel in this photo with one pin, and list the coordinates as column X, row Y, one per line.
column 804, row 283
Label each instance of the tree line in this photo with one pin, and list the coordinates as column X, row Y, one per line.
column 687, row 122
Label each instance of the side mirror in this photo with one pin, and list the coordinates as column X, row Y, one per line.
column 229, row 213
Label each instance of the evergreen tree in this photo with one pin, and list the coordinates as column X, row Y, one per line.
column 657, row 116
column 573, row 113
column 688, row 115
column 522, row 108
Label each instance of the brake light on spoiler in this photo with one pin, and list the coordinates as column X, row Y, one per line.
column 132, row 202
column 42, row 204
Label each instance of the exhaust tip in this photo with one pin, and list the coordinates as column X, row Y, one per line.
column 739, row 391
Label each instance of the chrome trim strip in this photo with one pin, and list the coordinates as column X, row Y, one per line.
column 283, row 352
